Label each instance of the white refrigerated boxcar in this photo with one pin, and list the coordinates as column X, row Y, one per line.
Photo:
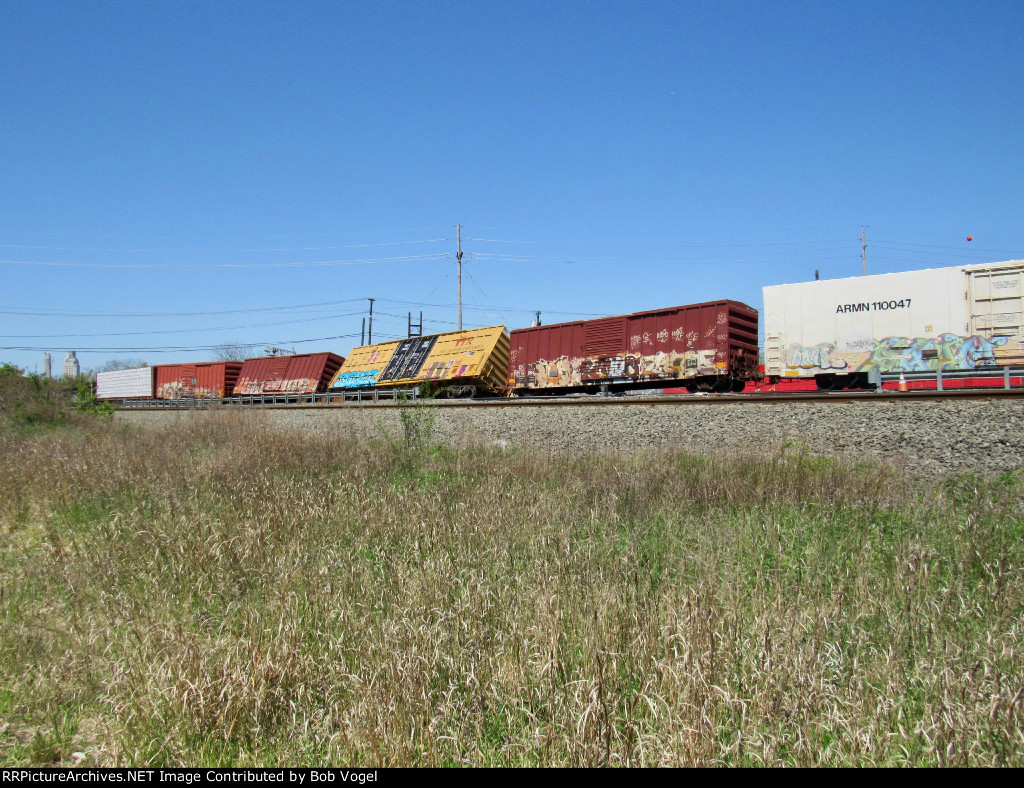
column 838, row 330
column 135, row 383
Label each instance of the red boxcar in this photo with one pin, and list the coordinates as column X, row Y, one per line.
column 706, row 347
column 213, row 379
column 303, row 374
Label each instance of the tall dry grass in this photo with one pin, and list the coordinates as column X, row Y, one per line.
column 225, row 595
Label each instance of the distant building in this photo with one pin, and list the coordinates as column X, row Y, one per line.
column 47, row 366
column 71, row 368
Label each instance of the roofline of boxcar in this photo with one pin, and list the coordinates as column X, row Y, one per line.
column 438, row 334
column 661, row 311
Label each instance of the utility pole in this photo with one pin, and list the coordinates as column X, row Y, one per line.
column 370, row 341
column 362, row 334
column 458, row 257
column 863, row 253
column 537, row 322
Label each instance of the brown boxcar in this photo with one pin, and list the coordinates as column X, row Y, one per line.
column 181, row 381
column 307, row 373
column 705, row 347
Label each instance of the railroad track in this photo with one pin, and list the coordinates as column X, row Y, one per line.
column 877, row 397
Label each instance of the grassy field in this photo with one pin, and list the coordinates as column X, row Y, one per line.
column 222, row 595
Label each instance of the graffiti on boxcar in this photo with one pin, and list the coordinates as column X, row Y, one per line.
column 565, row 372
column 821, row 356
column 173, row 390
column 452, row 368
column 924, row 354
column 438, row 370
column 295, row 385
column 356, row 379
column 178, row 389
column 899, row 354
column 978, row 351
column 291, row 386
column 559, row 372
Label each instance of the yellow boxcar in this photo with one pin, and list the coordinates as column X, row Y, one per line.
column 469, row 360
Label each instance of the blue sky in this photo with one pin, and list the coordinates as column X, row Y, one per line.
column 174, row 176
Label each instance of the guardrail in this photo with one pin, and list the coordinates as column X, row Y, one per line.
column 990, row 377
column 325, row 398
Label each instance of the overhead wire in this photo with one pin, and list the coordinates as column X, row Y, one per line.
column 223, row 235
column 219, row 251
column 55, row 313
column 311, row 264
column 795, row 249
column 640, row 245
column 486, row 307
column 178, row 348
column 487, row 297
column 180, row 330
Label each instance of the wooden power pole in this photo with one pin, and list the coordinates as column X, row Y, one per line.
column 458, row 258
column 863, row 253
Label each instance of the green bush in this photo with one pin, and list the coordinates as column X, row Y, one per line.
column 35, row 401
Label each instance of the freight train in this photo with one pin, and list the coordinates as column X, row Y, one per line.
column 833, row 332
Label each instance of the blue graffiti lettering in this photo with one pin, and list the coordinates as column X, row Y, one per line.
column 356, row 379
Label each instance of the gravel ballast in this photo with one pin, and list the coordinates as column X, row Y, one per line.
column 925, row 437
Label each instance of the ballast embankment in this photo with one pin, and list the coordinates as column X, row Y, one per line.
column 923, row 437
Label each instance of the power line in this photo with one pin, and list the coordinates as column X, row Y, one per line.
column 222, row 235
column 662, row 246
column 179, row 330
column 900, row 247
column 700, row 258
column 176, row 348
column 9, row 310
column 144, row 266
column 643, row 263
column 220, row 251
column 493, row 307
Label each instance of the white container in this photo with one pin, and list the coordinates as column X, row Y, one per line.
column 125, row 384
column 911, row 321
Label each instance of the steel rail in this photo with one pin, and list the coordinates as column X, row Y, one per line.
column 878, row 397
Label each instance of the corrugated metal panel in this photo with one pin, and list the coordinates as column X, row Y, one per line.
column 135, row 383
column 305, row 373
column 712, row 339
column 476, row 356
column 184, row 381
